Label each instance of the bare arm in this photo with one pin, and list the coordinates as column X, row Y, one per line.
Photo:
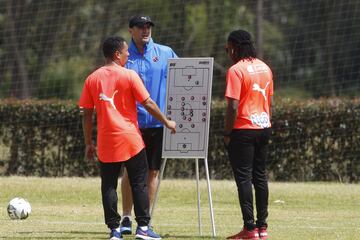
column 271, row 105
column 154, row 110
column 230, row 118
column 87, row 130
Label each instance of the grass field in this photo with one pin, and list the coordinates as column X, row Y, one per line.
column 70, row 208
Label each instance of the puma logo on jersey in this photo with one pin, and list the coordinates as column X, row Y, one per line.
column 256, row 87
column 107, row 99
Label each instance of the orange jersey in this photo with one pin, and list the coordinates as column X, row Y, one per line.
column 251, row 82
column 113, row 91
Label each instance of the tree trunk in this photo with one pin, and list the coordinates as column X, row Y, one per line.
column 19, row 77
column 259, row 28
column 330, row 50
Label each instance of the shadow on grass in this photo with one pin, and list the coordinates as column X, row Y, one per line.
column 54, row 235
column 89, row 235
column 168, row 236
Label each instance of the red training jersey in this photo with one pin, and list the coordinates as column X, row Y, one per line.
column 251, row 82
column 113, row 91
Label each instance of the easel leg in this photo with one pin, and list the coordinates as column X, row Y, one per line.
column 198, row 194
column 210, row 198
column 157, row 189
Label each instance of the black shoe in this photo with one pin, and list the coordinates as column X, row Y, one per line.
column 125, row 226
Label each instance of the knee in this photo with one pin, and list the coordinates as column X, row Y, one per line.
column 243, row 175
column 153, row 174
column 260, row 180
column 139, row 185
column 244, row 179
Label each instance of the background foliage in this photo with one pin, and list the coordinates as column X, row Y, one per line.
column 48, row 47
column 312, row 141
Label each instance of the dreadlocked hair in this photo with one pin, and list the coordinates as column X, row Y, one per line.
column 244, row 46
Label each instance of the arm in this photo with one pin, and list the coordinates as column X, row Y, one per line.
column 87, row 130
column 154, row 110
column 271, row 106
column 230, row 117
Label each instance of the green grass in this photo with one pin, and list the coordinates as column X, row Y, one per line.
column 70, row 208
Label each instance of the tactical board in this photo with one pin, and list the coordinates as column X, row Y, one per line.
column 188, row 100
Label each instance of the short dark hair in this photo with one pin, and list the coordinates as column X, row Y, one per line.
column 243, row 43
column 111, row 45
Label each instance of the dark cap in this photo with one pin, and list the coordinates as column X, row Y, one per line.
column 139, row 21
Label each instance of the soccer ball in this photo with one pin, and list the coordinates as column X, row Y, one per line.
column 18, row 208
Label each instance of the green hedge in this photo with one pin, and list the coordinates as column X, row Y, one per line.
column 312, row 141
column 42, row 138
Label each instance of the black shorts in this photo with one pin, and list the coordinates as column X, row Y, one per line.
column 153, row 138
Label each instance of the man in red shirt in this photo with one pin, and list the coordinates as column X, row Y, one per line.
column 249, row 90
column 113, row 91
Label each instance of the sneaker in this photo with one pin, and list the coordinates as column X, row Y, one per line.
column 148, row 234
column 115, row 235
column 263, row 233
column 125, row 226
column 246, row 234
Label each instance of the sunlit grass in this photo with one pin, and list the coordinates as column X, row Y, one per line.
column 70, row 208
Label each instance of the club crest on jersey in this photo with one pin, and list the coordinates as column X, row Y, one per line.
column 155, row 59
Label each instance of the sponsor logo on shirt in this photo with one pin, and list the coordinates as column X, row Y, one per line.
column 108, row 99
column 256, row 69
column 256, row 87
column 261, row 120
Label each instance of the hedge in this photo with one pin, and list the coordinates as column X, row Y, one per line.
column 314, row 140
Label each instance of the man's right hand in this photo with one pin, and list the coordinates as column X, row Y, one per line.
column 171, row 125
column 90, row 152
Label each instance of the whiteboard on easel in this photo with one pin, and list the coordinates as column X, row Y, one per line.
column 188, row 102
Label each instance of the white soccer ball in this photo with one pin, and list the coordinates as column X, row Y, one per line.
column 19, row 208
